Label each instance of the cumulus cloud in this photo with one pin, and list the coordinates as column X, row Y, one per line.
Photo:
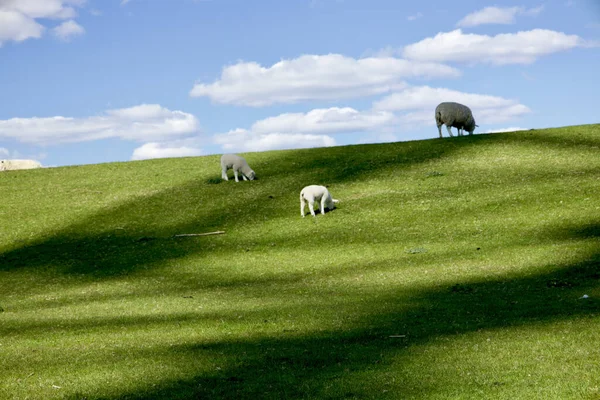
column 297, row 130
column 57, row 9
column 510, row 48
column 329, row 120
column 242, row 140
column 165, row 150
column 500, row 114
column 418, row 104
column 146, row 122
column 18, row 18
column 427, row 97
column 315, row 77
column 68, row 29
column 18, row 27
column 497, row 15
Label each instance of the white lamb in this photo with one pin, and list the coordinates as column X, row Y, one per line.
column 317, row 193
column 10, row 165
column 238, row 164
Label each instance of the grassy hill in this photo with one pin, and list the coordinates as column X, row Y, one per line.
column 451, row 269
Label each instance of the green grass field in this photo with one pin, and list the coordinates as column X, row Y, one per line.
column 451, row 269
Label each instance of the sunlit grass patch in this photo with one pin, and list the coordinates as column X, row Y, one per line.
column 454, row 268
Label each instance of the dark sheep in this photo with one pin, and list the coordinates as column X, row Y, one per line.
column 454, row 115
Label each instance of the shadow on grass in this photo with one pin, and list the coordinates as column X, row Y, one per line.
column 138, row 234
column 326, row 364
column 330, row 364
column 582, row 136
column 355, row 162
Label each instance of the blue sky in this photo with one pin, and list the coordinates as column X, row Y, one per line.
column 95, row 81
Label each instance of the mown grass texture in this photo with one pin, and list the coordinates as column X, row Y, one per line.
column 451, row 269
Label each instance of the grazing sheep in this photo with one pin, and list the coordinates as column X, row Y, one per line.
column 238, row 164
column 454, row 115
column 313, row 193
column 9, row 165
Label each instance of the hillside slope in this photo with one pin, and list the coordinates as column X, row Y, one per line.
column 451, row 268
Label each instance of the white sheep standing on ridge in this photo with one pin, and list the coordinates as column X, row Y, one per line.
column 238, row 164
column 454, row 115
column 10, row 165
column 318, row 193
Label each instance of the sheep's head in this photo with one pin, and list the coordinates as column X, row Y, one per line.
column 251, row 175
column 470, row 126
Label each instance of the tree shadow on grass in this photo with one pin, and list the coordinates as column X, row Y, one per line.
column 332, row 363
column 355, row 163
column 349, row 362
column 137, row 234
column 312, row 365
column 140, row 233
column 581, row 136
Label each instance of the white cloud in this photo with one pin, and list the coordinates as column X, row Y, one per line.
column 165, row 150
column 427, row 97
column 68, row 29
column 497, row 15
column 315, row 77
column 500, row 114
column 330, row 120
column 297, row 130
column 418, row 104
column 140, row 123
column 511, row 48
column 244, row 140
column 4, row 152
column 18, row 27
column 142, row 112
column 57, row 9
column 18, row 18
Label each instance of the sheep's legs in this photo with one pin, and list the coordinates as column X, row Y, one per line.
column 323, row 205
column 236, row 175
column 449, row 130
column 224, row 174
column 302, row 207
column 440, row 130
column 311, row 208
column 244, row 176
